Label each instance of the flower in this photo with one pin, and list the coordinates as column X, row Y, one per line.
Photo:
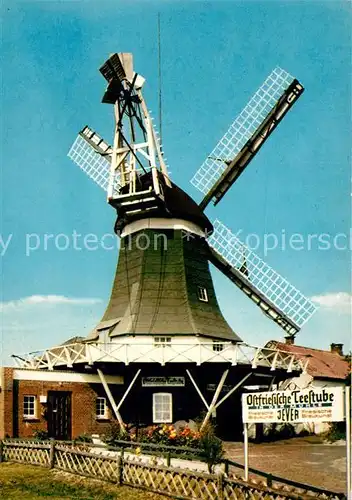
column 138, row 451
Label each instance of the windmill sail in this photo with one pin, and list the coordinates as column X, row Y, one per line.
column 280, row 300
column 246, row 135
column 93, row 155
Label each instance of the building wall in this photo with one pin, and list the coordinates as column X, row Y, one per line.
column 137, row 409
column 6, row 402
column 83, row 401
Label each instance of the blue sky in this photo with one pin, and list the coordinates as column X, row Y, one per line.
column 214, row 56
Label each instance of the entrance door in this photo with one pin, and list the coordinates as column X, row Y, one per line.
column 59, row 415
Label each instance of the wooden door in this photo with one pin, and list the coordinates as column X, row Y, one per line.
column 59, row 415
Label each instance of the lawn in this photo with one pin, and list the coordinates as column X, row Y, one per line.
column 28, row 482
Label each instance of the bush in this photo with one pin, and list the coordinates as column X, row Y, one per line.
column 41, row 435
column 115, row 434
column 84, row 438
column 211, row 446
column 276, row 432
column 337, row 431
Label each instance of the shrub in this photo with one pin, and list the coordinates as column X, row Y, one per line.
column 115, row 434
column 276, row 432
column 84, row 438
column 41, row 435
column 211, row 446
column 337, row 431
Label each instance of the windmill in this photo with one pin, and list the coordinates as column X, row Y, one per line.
column 134, row 174
column 163, row 319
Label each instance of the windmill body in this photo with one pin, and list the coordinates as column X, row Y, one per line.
column 163, row 330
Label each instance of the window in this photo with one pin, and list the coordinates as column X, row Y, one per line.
column 217, row 346
column 158, row 341
column 29, row 406
column 101, row 408
column 202, row 294
column 162, row 408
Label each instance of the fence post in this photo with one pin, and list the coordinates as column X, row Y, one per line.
column 269, row 480
column 52, row 455
column 168, row 459
column 220, row 485
column 227, row 467
column 1, row 452
column 119, row 470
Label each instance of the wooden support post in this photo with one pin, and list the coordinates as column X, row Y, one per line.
column 198, row 390
column 168, row 459
column 1, row 452
column 112, row 401
column 52, row 455
column 227, row 467
column 220, row 486
column 128, row 389
column 119, row 479
column 269, row 480
column 233, row 390
column 215, row 398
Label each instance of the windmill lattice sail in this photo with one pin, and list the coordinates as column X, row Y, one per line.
column 286, row 305
column 93, row 155
column 246, row 135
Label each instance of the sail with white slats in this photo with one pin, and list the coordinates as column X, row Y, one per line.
column 246, row 135
column 280, row 300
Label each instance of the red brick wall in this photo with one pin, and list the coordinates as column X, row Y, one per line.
column 6, row 402
column 83, row 399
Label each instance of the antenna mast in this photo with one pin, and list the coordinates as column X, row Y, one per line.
column 159, row 73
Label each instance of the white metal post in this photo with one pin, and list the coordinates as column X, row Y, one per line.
column 348, row 440
column 245, row 434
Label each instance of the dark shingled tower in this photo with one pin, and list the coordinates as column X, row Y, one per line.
column 159, row 275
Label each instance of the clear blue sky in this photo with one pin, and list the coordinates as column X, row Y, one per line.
column 214, row 56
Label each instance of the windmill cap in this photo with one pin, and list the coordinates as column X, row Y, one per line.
column 177, row 204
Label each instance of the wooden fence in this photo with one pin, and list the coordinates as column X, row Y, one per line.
column 169, row 481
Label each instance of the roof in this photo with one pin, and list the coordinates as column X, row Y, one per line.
column 176, row 204
column 323, row 364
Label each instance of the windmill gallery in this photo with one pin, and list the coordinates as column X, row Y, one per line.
column 163, row 351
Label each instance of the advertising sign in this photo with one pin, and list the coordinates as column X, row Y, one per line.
column 308, row 405
column 163, row 381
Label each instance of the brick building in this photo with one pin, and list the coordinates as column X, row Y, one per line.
column 30, row 399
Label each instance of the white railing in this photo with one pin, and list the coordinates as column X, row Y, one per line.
column 126, row 353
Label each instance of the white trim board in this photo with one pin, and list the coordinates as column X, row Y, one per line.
column 61, row 376
column 162, row 223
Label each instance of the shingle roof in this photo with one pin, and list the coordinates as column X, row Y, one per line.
column 323, row 364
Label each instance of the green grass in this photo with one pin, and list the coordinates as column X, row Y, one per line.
column 28, row 482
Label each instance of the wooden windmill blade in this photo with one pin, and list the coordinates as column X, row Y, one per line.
column 246, row 135
column 270, row 291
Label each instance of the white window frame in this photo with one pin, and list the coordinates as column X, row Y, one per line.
column 31, row 412
column 218, row 346
column 162, row 419
column 203, row 294
column 99, row 416
column 162, row 341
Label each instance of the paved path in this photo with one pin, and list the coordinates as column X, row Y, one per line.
column 322, row 465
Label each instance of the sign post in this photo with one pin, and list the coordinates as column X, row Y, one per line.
column 245, row 436
column 348, row 441
column 299, row 406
